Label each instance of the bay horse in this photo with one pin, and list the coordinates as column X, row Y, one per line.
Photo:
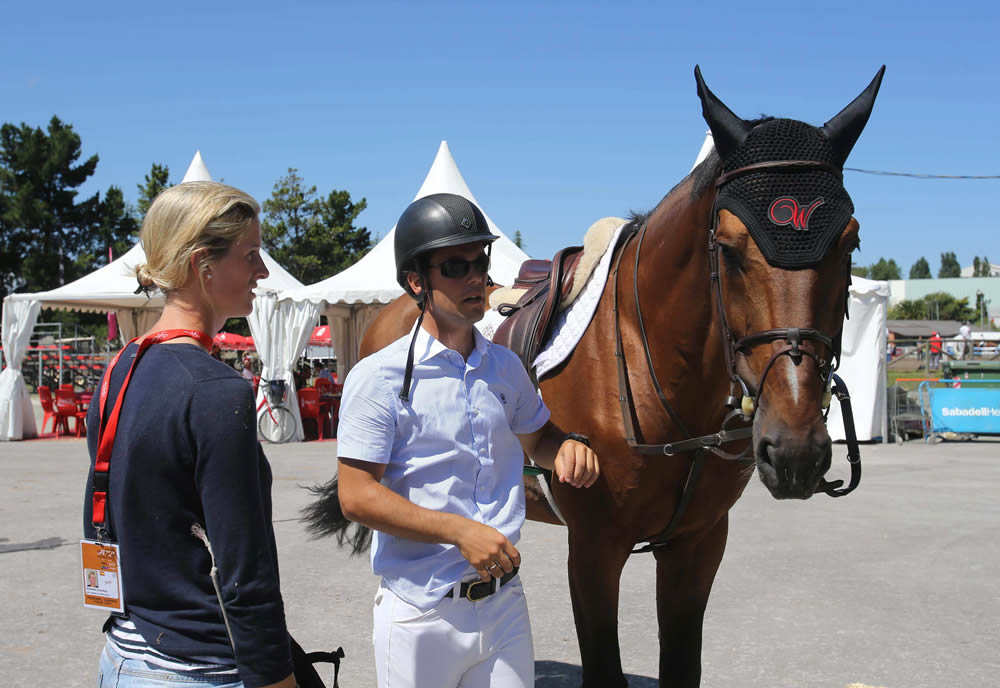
column 725, row 305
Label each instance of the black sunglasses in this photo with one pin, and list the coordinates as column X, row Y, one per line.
column 455, row 267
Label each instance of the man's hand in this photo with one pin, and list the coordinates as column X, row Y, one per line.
column 486, row 548
column 576, row 464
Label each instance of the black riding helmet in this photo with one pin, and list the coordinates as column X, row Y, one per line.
column 432, row 222
column 428, row 223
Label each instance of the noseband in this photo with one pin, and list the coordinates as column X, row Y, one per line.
column 745, row 408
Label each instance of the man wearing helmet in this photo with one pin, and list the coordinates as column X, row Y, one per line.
column 430, row 445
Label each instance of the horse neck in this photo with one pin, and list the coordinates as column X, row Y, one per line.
column 674, row 283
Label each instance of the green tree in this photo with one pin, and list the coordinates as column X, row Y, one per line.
column 115, row 227
column 44, row 228
column 885, row 270
column 518, row 241
column 861, row 271
column 155, row 182
column 981, row 267
column 313, row 238
column 949, row 265
column 909, row 309
column 936, row 306
column 944, row 306
column 921, row 269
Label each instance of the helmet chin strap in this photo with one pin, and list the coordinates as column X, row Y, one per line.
column 404, row 393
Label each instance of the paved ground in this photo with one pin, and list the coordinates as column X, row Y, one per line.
column 896, row 585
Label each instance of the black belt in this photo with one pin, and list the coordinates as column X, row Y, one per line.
column 478, row 590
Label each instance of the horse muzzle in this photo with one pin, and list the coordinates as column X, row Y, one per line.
column 792, row 465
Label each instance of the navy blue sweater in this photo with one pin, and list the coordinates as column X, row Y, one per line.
column 186, row 452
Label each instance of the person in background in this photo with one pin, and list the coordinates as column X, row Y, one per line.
column 966, row 333
column 247, row 371
column 320, row 372
column 935, row 351
column 300, row 374
column 185, row 463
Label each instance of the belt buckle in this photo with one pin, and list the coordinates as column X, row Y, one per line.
column 472, row 586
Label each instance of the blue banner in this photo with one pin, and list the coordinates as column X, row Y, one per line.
column 966, row 410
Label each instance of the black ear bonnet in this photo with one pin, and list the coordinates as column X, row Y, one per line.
column 793, row 215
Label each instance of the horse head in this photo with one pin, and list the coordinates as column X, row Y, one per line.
column 780, row 247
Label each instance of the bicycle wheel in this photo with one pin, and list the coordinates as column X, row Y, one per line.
column 276, row 426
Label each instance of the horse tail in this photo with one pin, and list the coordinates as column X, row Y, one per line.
column 324, row 517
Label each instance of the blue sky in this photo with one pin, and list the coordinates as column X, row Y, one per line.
column 557, row 113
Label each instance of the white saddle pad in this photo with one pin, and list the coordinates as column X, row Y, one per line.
column 572, row 323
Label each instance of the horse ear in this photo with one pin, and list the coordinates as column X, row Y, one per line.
column 728, row 130
column 844, row 129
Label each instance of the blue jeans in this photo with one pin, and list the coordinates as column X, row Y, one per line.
column 116, row 671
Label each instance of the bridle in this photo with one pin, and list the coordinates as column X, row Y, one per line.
column 794, row 336
column 744, row 408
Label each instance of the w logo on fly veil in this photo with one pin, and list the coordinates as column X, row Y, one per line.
column 786, row 211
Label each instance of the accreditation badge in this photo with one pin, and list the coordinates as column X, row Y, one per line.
column 102, row 576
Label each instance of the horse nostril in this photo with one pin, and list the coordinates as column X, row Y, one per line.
column 764, row 450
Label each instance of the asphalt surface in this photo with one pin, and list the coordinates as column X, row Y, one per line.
column 896, row 585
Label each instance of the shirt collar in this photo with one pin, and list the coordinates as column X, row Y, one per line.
column 428, row 346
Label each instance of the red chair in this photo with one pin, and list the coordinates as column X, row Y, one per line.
column 66, row 386
column 309, row 407
column 324, row 386
column 45, row 399
column 67, row 408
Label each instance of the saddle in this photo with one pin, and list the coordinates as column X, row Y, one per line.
column 528, row 322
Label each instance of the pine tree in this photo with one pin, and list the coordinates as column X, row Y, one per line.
column 921, row 269
column 885, row 270
column 949, row 265
column 156, row 181
column 44, row 230
column 313, row 238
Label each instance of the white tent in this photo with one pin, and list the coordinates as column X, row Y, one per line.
column 197, row 171
column 351, row 299
column 110, row 288
column 863, row 364
column 707, row 146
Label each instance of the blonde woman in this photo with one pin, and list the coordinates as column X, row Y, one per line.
column 178, row 454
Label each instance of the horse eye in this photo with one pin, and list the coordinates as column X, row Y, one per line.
column 734, row 262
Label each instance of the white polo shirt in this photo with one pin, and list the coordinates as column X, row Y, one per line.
column 452, row 447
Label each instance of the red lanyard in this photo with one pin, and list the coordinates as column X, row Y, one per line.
column 106, row 434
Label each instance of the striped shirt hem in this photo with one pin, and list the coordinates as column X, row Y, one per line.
column 130, row 644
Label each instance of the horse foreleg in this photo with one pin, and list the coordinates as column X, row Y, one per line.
column 684, row 576
column 595, row 568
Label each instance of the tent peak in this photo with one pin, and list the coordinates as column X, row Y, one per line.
column 197, row 171
column 444, row 176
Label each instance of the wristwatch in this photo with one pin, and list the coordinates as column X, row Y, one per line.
column 582, row 439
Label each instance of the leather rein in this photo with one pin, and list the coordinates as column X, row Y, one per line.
column 740, row 410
